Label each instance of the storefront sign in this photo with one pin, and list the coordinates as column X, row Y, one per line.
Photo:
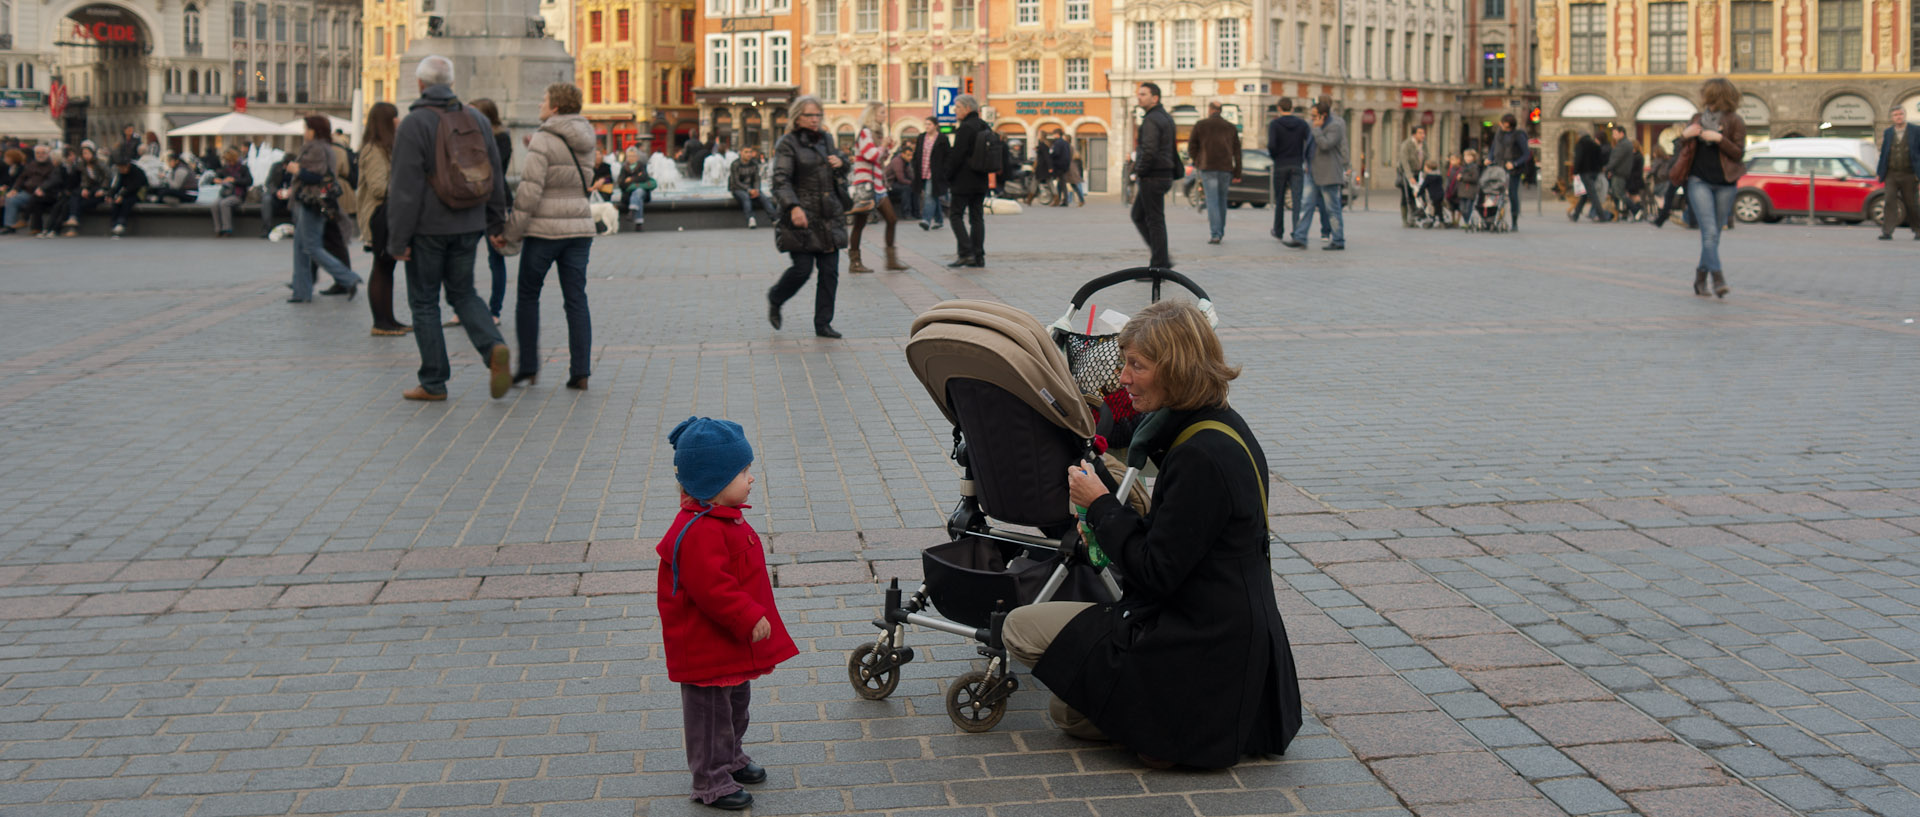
column 732, row 24
column 1035, row 107
column 1666, row 108
column 105, row 25
column 1847, row 110
column 1409, row 97
column 1754, row 112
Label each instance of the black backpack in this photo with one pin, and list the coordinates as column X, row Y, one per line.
column 989, row 153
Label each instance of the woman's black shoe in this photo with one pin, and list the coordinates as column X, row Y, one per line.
column 525, row 377
column 299, row 300
column 337, row 289
column 352, row 291
column 773, row 314
column 749, row 774
column 733, row 802
column 826, row 332
column 578, row 383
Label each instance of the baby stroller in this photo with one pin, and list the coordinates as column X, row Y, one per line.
column 1020, row 418
column 1490, row 202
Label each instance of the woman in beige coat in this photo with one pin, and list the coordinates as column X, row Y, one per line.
column 376, row 162
column 550, row 212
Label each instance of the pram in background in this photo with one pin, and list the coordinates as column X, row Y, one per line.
column 1020, row 418
column 1490, row 202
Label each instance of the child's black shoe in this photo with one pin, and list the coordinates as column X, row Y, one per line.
column 749, row 774
column 733, row 802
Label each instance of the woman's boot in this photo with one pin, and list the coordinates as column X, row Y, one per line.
column 893, row 260
column 1720, row 288
column 1700, row 282
column 853, row 261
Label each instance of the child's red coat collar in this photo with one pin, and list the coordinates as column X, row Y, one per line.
column 688, row 503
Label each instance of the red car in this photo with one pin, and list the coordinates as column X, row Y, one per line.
column 1776, row 187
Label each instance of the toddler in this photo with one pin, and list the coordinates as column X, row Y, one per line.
column 716, row 607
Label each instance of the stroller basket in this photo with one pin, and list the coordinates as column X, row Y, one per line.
column 971, row 577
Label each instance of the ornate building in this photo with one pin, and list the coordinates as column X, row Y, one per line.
column 161, row 64
column 1804, row 67
column 389, row 26
column 1047, row 73
column 1502, row 68
column 747, row 75
column 634, row 62
column 1387, row 64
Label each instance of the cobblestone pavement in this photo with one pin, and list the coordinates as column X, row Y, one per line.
column 1555, row 537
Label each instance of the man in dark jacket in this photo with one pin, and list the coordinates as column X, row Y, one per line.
column 437, row 242
column 128, row 183
column 1215, row 146
column 1062, row 150
column 1510, row 151
column 1899, row 161
column 743, row 181
column 28, row 188
column 1589, row 160
column 1157, row 165
column 695, row 152
column 1620, row 171
column 967, row 186
column 1287, row 144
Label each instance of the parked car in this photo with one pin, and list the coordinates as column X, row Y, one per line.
column 1254, row 187
column 1775, row 186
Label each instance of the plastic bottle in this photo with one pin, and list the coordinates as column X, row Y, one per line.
column 1095, row 555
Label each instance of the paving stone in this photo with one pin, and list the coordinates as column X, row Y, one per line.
column 1451, row 778
column 1581, row 722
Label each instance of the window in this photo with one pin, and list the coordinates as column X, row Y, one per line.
column 1494, row 9
column 916, row 15
column 779, row 59
column 1146, row 54
column 1026, row 76
column 866, row 16
column 749, row 59
column 193, row 82
column 300, row 28
column 624, row 86
column 239, row 20
column 1406, row 55
column 1446, row 59
column 280, row 24
column 593, row 87
column 826, row 16
column 1300, row 47
column 240, row 77
column 1493, row 66
column 826, row 82
column 1913, row 48
column 1587, row 38
column 593, row 27
column 189, row 24
column 1186, row 44
column 260, row 21
column 1667, row 38
column 1346, row 51
column 1839, row 35
column 1752, row 26
column 1326, row 46
column 400, row 41
column 666, row 78
column 716, row 8
column 622, row 25
column 320, row 30
column 300, row 83
column 379, row 90
column 280, row 82
column 719, row 52
column 686, row 36
column 1026, row 12
column 1079, row 74
column 961, row 68
column 918, row 87
column 963, row 14
column 869, row 76
column 1229, row 42
column 1426, row 57
column 379, row 41
column 1366, row 60
column 1079, row 11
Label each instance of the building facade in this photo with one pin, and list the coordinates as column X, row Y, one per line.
column 1804, row 67
column 748, row 76
column 1503, row 57
column 388, row 27
column 634, row 61
column 1388, row 65
column 162, row 64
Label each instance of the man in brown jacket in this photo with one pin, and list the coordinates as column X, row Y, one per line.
column 1215, row 145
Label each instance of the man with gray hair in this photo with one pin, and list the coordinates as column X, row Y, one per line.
column 968, row 186
column 435, row 217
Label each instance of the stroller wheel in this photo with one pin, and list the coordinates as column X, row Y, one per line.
column 976, row 701
column 873, row 676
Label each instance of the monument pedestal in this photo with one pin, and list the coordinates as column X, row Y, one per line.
column 500, row 53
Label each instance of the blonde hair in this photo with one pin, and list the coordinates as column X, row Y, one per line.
column 874, row 119
column 1186, row 354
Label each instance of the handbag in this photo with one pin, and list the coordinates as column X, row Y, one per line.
column 325, row 196
column 862, row 198
column 1579, row 186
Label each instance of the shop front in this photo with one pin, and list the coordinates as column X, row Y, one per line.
column 1847, row 116
column 746, row 117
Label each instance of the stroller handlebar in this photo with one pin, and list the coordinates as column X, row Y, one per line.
column 1154, row 275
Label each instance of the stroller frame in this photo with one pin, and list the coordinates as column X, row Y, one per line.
column 977, row 700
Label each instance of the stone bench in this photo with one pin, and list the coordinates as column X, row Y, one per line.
column 155, row 220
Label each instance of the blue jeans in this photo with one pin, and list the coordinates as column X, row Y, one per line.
column 909, row 201
column 1324, row 199
column 14, row 203
column 933, row 210
column 1710, row 204
column 445, row 263
column 536, row 256
column 746, row 203
column 309, row 230
column 1513, row 198
column 637, row 204
column 1288, row 186
column 497, row 265
column 1214, row 184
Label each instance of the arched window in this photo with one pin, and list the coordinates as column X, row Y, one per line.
column 193, row 82
column 213, row 82
column 3, row 75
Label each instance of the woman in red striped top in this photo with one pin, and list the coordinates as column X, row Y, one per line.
column 869, row 168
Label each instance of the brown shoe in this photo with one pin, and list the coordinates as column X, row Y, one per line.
column 497, row 360
column 893, row 260
column 421, row 393
column 853, row 262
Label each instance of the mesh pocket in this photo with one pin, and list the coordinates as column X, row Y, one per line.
column 1095, row 363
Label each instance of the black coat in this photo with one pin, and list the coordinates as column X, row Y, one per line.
column 937, row 166
column 1588, row 156
column 802, row 177
column 1193, row 665
column 962, row 179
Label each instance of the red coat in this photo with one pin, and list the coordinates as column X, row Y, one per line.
column 723, row 591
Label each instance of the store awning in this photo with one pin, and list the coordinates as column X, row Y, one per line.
column 1666, row 108
column 28, row 124
column 1587, row 106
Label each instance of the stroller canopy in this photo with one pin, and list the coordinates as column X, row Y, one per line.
column 1001, row 345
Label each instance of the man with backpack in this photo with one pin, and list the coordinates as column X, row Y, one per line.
column 977, row 153
column 1157, row 165
column 445, row 191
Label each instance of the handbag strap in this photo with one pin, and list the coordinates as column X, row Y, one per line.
column 1216, row 425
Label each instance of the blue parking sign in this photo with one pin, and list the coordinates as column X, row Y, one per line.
column 943, row 99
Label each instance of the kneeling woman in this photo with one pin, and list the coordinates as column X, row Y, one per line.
column 1192, row 667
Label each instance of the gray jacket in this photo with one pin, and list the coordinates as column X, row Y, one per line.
column 1620, row 161
column 1329, row 162
column 412, row 206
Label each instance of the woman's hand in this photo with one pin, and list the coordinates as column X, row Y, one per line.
column 834, row 162
column 1084, row 485
column 1711, row 135
column 799, row 218
column 762, row 630
column 1692, row 131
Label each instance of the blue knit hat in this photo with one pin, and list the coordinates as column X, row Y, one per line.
column 708, row 454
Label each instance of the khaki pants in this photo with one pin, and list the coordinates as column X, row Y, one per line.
column 1028, row 632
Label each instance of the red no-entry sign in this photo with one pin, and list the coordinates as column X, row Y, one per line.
column 1409, row 97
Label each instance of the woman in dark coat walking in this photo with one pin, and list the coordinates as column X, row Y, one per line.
column 1192, row 667
column 809, row 176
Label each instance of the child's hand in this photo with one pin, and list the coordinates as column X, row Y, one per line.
column 762, row 630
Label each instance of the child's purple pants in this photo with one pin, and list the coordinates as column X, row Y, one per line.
column 715, row 718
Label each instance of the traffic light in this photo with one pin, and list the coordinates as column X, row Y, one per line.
column 1533, row 116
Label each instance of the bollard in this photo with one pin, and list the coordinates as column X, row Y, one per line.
column 1811, row 218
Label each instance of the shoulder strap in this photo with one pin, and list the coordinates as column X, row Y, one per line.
column 1216, row 425
column 676, row 545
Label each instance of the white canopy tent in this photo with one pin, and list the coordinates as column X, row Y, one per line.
column 230, row 124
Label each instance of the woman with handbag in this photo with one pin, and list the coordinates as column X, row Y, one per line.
column 315, row 196
column 376, row 166
column 1713, row 150
column 550, row 211
column 809, row 179
column 870, row 186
